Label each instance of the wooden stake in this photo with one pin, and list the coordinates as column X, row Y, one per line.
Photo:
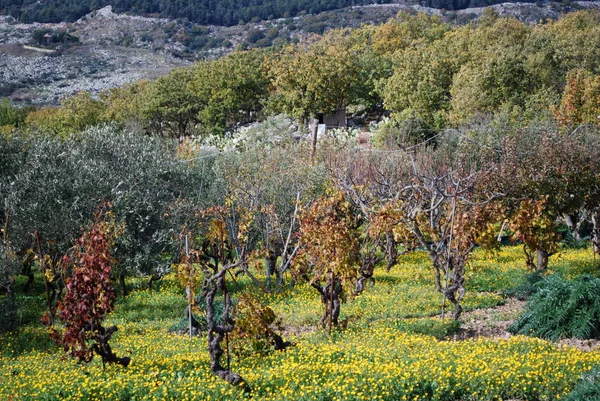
column 315, row 130
column 501, row 230
column 188, row 290
column 43, row 269
column 449, row 255
column 226, row 333
column 331, row 302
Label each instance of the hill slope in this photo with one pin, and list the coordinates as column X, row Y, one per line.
column 213, row 12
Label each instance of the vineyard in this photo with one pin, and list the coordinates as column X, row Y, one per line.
column 407, row 211
column 395, row 347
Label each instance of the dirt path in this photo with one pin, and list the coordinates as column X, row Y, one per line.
column 37, row 49
column 493, row 323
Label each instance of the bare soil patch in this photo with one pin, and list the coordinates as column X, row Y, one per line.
column 491, row 322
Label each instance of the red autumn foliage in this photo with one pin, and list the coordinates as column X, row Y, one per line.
column 90, row 297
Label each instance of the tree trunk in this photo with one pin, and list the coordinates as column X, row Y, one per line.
column 61, row 286
column 153, row 278
column 50, row 292
column 286, row 260
column 391, row 250
column 103, row 349
column 572, row 222
column 542, row 259
column 451, row 296
column 216, row 352
column 449, row 281
column 270, row 267
column 123, row 288
column 369, row 261
column 596, row 231
column 331, row 301
column 529, row 258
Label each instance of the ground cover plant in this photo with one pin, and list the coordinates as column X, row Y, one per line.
column 393, row 347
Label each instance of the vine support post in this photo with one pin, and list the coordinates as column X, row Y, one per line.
column 226, row 295
column 448, row 262
column 188, row 289
column 43, row 269
column 331, row 284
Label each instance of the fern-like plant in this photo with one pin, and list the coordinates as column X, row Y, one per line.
column 562, row 309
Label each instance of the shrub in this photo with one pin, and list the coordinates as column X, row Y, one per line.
column 255, row 35
column 11, row 115
column 407, row 129
column 256, row 328
column 562, row 309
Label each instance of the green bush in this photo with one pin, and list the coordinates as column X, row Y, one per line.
column 562, row 309
column 12, row 115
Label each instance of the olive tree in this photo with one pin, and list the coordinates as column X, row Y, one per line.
column 318, row 77
column 8, row 271
column 59, row 184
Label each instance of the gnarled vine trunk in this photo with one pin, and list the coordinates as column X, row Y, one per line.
column 449, row 281
column 330, row 298
column 218, row 331
column 538, row 260
column 542, row 259
column 271, row 268
column 103, row 349
column 153, row 278
column 369, row 261
column 391, row 250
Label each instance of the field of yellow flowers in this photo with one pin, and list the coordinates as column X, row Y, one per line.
column 392, row 349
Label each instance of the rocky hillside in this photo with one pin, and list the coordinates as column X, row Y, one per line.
column 107, row 54
column 40, row 63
